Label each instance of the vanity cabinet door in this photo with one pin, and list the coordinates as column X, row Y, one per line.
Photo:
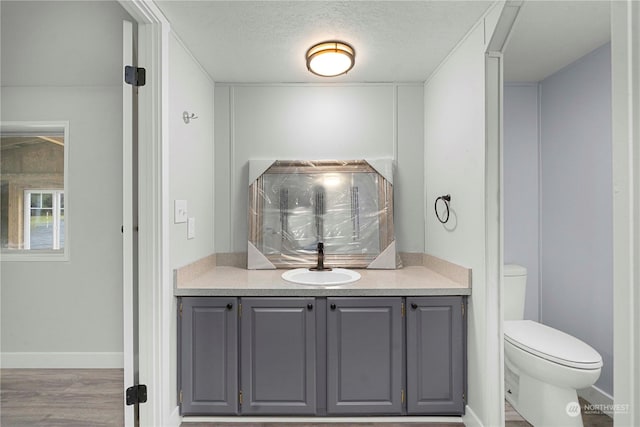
column 208, row 329
column 435, row 355
column 278, row 356
column 364, row 355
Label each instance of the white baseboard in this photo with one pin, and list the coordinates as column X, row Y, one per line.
column 67, row 360
column 470, row 418
column 598, row 398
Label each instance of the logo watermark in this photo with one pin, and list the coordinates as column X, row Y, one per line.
column 612, row 408
column 573, row 408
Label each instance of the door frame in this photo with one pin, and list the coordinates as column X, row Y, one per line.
column 494, row 212
column 625, row 59
column 128, row 256
column 154, row 290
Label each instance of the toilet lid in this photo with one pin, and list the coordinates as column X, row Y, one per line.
column 551, row 344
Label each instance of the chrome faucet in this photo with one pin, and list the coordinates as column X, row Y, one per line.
column 320, row 265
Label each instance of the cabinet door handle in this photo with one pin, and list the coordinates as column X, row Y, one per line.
column 229, row 306
column 333, row 306
column 414, row 305
column 309, row 307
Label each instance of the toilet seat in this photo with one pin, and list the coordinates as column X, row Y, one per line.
column 551, row 344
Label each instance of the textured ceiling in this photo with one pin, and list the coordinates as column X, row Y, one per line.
column 549, row 35
column 265, row 41
column 402, row 41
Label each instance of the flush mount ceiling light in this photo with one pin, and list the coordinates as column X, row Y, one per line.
column 330, row 59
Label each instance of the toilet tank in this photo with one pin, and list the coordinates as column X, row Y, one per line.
column 515, row 286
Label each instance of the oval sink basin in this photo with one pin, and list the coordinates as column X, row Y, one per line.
column 337, row 276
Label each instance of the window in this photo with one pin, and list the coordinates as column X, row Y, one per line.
column 33, row 177
column 44, row 219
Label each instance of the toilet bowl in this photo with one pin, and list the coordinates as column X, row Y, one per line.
column 543, row 366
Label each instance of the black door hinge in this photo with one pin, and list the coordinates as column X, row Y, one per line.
column 136, row 394
column 135, row 76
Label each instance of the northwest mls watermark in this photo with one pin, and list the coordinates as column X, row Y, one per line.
column 573, row 408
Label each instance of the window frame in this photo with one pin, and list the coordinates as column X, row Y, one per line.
column 26, row 128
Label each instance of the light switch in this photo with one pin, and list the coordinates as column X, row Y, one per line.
column 180, row 211
column 191, row 228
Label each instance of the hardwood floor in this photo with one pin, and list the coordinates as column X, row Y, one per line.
column 61, row 397
column 93, row 398
column 513, row 419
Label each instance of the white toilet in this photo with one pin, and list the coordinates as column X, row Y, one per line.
column 543, row 366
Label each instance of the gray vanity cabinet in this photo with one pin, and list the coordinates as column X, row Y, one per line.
column 322, row 356
column 208, row 342
column 278, row 356
column 435, row 355
column 364, row 355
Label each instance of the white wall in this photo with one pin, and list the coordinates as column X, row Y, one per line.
column 409, row 183
column 455, row 164
column 576, row 205
column 521, row 186
column 61, row 43
column 191, row 170
column 69, row 313
column 307, row 122
column 191, row 157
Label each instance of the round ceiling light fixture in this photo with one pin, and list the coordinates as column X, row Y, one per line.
column 330, row 59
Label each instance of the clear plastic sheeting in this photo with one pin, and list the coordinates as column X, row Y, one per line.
column 347, row 205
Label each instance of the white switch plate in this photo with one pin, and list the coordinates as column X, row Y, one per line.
column 180, row 211
column 191, row 228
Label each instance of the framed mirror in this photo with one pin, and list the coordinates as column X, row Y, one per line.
column 347, row 205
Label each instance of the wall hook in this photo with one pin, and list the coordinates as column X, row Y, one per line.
column 446, row 199
column 188, row 117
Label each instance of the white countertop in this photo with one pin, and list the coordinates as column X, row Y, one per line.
column 234, row 281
